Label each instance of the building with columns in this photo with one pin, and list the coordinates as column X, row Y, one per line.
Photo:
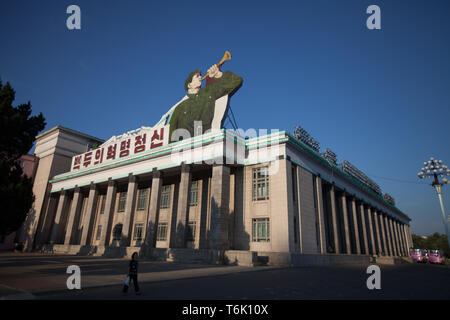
column 216, row 194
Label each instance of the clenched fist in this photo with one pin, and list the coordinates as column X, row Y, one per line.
column 214, row 72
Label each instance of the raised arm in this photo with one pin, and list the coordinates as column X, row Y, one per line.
column 226, row 83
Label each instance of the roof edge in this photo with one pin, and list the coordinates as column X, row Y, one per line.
column 58, row 127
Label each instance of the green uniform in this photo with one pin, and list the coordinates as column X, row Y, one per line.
column 200, row 106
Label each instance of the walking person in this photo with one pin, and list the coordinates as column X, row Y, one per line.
column 132, row 274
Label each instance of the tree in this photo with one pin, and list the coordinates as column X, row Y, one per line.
column 418, row 241
column 435, row 241
column 19, row 130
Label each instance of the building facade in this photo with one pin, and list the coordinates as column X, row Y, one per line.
column 216, row 192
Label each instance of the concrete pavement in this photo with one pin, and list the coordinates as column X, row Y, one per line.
column 23, row 275
column 398, row 282
column 37, row 276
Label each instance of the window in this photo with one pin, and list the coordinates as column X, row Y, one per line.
column 122, row 202
column 102, row 206
column 138, row 229
column 142, row 199
column 190, row 231
column 161, row 234
column 261, row 230
column 165, row 197
column 117, row 234
column 99, row 233
column 261, row 183
column 194, row 193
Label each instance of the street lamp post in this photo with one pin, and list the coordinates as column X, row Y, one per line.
column 434, row 169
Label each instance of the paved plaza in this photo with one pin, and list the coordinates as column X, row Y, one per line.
column 36, row 276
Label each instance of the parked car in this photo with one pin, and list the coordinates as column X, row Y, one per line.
column 417, row 255
column 425, row 253
column 436, row 256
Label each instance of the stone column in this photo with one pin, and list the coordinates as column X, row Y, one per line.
column 397, row 243
column 109, row 212
column 322, row 237
column 299, row 181
column 397, row 235
column 364, row 229
column 130, row 203
column 282, row 231
column 146, row 216
column 346, row 228
column 383, row 234
column 57, row 229
column 88, row 225
column 405, row 241
column 410, row 236
column 372, row 238
column 74, row 216
column 47, row 219
column 397, row 240
column 407, row 244
column 400, row 238
column 388, row 235
column 394, row 239
column 204, row 226
column 220, row 195
column 394, row 247
column 334, row 220
column 183, row 206
column 241, row 241
column 153, row 215
column 377, row 232
column 355, row 227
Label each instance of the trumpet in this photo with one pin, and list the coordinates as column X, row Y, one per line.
column 226, row 56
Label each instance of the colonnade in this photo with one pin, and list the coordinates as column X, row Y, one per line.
column 356, row 227
column 72, row 230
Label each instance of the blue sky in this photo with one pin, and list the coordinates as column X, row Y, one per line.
column 378, row 98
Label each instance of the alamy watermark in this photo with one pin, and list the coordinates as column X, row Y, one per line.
column 73, row 281
column 374, row 281
column 73, row 21
column 241, row 146
column 374, row 20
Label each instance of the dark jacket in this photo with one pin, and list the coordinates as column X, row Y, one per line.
column 133, row 268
